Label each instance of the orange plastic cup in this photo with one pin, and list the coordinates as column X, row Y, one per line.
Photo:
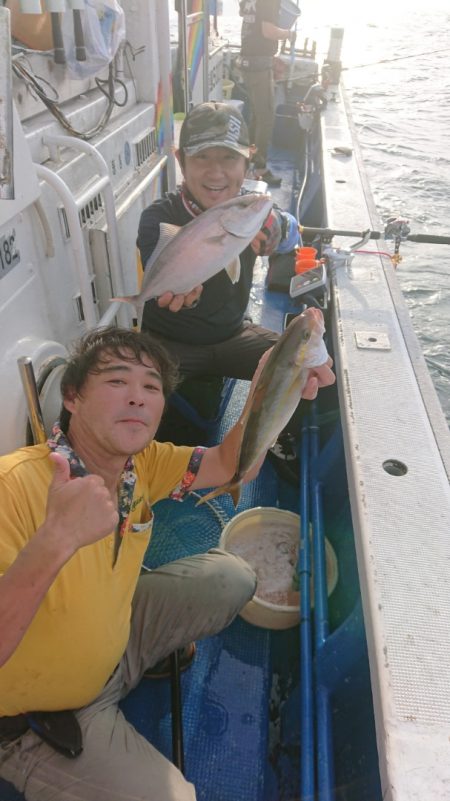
column 303, row 265
column 306, row 253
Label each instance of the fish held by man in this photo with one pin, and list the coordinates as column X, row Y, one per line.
column 277, row 393
column 187, row 256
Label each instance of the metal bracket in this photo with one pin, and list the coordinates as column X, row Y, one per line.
column 372, row 340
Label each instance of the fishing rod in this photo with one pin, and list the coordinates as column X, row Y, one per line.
column 396, row 58
column 397, row 229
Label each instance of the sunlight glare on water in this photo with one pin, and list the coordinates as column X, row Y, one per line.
column 396, row 59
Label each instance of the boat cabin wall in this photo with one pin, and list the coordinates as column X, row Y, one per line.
column 60, row 268
column 143, row 55
column 68, row 238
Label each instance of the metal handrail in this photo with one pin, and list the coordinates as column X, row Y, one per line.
column 78, row 249
column 104, row 185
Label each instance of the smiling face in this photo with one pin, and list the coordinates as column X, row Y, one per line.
column 213, row 175
column 117, row 411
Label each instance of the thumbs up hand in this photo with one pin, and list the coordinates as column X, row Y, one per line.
column 80, row 511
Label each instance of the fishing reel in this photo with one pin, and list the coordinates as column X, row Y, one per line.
column 397, row 228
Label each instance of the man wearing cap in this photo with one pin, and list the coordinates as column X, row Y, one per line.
column 260, row 35
column 209, row 335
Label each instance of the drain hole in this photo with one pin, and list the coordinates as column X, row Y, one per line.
column 394, row 467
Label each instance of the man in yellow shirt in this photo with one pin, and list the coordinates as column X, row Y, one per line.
column 79, row 625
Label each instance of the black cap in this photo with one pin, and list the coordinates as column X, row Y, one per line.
column 214, row 125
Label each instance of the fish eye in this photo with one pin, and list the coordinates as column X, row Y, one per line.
column 306, row 336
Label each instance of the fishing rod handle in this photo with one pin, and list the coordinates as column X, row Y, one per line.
column 328, row 233
column 431, row 239
column 59, row 56
column 80, row 49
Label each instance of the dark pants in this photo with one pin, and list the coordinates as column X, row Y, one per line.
column 260, row 89
column 236, row 357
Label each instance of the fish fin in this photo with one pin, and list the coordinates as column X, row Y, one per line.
column 259, row 395
column 234, row 270
column 240, row 222
column 133, row 299
column 236, row 223
column 235, row 493
column 215, row 239
column 167, row 232
column 233, row 487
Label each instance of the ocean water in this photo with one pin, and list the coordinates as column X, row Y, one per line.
column 396, row 59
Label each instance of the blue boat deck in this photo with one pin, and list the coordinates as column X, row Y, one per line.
column 226, row 691
column 242, row 722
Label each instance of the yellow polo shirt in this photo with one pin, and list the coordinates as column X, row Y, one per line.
column 81, row 628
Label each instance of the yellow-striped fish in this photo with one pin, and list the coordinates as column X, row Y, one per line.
column 277, row 393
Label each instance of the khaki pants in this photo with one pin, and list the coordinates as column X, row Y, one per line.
column 173, row 605
column 260, row 89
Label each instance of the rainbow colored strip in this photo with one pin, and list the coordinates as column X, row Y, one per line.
column 195, row 42
column 160, row 125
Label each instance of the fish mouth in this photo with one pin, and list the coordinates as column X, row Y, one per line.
column 317, row 317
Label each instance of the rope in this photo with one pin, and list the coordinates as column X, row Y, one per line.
column 36, row 85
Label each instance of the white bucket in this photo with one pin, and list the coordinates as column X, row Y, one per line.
column 268, row 539
column 227, row 88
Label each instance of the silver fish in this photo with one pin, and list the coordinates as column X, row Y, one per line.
column 186, row 257
column 277, row 393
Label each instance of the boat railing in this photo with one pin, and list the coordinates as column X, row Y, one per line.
column 307, row 767
column 74, row 205
column 325, row 659
column 185, row 22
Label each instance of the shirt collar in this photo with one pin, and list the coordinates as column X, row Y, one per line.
column 59, row 443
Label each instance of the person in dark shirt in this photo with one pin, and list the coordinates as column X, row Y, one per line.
column 212, row 337
column 259, row 42
column 206, row 331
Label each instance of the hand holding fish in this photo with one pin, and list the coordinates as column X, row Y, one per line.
column 176, row 302
column 281, row 378
column 268, row 238
column 318, row 377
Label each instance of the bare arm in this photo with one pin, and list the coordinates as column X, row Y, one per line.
column 79, row 512
column 273, row 32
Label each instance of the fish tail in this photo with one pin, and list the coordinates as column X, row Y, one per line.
column 233, row 488
column 139, row 316
column 134, row 300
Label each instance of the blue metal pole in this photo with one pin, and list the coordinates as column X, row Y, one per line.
column 306, row 674
column 325, row 762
